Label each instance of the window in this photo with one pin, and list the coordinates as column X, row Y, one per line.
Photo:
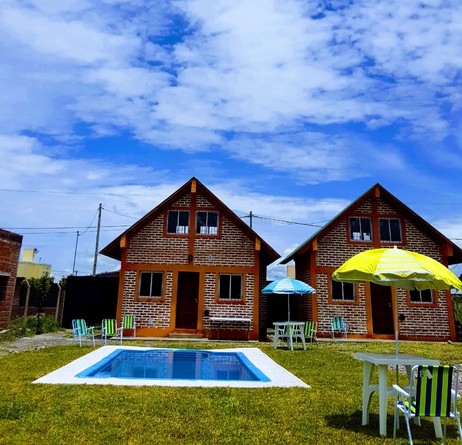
column 360, row 229
column 151, row 285
column 343, row 291
column 3, row 286
column 207, row 223
column 421, row 296
column 230, row 287
column 178, row 222
column 390, row 230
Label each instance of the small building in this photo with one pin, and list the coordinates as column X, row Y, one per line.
column 28, row 268
column 10, row 247
column 189, row 261
column 376, row 219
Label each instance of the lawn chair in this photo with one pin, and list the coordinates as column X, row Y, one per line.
column 338, row 325
column 80, row 330
column 311, row 328
column 128, row 322
column 109, row 329
column 432, row 391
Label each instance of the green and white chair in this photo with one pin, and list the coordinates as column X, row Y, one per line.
column 109, row 329
column 128, row 322
column 432, row 393
column 338, row 324
column 80, row 330
column 311, row 329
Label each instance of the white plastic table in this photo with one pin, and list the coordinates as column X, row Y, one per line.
column 382, row 361
column 291, row 330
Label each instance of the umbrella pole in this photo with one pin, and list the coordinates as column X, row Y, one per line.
column 396, row 335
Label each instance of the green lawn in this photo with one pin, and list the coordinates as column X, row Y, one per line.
column 328, row 413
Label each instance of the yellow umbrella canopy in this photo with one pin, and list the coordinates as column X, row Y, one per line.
column 399, row 268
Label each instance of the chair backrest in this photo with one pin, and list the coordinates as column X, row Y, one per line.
column 79, row 327
column 337, row 323
column 128, row 322
column 433, row 389
column 310, row 328
column 109, row 326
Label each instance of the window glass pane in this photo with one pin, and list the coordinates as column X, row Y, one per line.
column 395, row 230
column 145, row 284
column 213, row 219
column 184, row 219
column 336, row 290
column 236, row 287
column 201, row 222
column 224, row 286
column 366, row 229
column 426, row 296
column 156, row 284
column 384, row 230
column 348, row 291
column 172, row 221
column 355, row 231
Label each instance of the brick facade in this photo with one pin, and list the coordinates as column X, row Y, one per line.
column 235, row 249
column 10, row 247
column 318, row 258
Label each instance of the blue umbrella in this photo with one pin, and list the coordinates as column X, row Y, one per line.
column 288, row 286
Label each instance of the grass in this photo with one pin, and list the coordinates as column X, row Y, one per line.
column 328, row 413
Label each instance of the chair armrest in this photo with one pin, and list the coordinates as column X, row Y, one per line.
column 91, row 328
column 401, row 391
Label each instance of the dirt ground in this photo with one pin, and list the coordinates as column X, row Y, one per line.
column 35, row 342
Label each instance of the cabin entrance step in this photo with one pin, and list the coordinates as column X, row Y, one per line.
column 184, row 335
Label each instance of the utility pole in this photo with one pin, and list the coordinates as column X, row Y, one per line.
column 75, row 252
column 250, row 219
column 97, row 239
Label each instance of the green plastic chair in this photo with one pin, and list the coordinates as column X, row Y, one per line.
column 432, row 393
column 109, row 329
column 311, row 329
column 128, row 322
column 338, row 325
column 80, row 330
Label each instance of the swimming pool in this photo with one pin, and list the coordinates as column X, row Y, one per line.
column 175, row 364
column 256, row 360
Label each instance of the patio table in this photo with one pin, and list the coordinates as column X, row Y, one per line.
column 383, row 361
column 289, row 330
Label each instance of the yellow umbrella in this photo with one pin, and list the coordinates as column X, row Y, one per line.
column 398, row 268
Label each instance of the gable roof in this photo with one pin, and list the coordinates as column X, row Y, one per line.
column 113, row 249
column 454, row 251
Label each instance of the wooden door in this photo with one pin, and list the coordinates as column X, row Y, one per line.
column 382, row 309
column 187, row 300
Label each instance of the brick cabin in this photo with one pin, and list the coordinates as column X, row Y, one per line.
column 377, row 219
column 189, row 259
column 10, row 247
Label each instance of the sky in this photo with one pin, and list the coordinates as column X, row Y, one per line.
column 288, row 109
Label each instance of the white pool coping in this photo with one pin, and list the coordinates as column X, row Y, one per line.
column 279, row 376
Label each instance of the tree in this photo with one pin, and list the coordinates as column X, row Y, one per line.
column 41, row 288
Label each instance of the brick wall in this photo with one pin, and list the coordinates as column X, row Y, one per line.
column 150, row 250
column 334, row 249
column 10, row 247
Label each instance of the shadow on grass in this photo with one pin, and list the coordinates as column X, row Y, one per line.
column 352, row 422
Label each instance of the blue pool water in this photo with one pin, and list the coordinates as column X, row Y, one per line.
column 175, row 364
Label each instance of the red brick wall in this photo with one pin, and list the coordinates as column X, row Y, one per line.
column 333, row 249
column 149, row 249
column 10, row 247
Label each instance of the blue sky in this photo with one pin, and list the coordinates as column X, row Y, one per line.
column 289, row 109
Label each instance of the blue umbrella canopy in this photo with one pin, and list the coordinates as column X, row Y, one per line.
column 288, row 286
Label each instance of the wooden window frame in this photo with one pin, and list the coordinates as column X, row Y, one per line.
column 361, row 239
column 178, row 210
column 434, row 302
column 332, row 300
column 155, row 299
column 208, row 235
column 401, row 229
column 230, row 301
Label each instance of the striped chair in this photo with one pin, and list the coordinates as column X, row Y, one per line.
column 128, row 322
column 338, row 325
column 109, row 329
column 80, row 330
column 311, row 328
column 432, row 391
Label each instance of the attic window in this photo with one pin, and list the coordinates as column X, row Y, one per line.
column 207, row 223
column 390, row 230
column 360, row 229
column 178, row 222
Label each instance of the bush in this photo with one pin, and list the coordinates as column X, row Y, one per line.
column 19, row 327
